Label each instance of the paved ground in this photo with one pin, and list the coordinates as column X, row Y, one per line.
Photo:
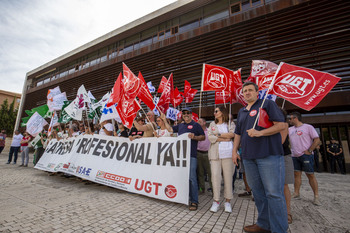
column 32, row 201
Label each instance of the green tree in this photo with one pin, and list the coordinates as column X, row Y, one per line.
column 8, row 116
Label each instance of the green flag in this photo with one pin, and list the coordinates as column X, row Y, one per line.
column 64, row 117
column 24, row 121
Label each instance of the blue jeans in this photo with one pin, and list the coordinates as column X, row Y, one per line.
column 193, row 181
column 13, row 150
column 304, row 163
column 266, row 179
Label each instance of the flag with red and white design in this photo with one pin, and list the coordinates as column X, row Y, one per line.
column 189, row 93
column 127, row 110
column 263, row 72
column 117, row 91
column 301, row 86
column 162, row 84
column 144, row 93
column 195, row 117
column 216, row 78
column 178, row 98
column 167, row 95
column 222, row 97
column 131, row 83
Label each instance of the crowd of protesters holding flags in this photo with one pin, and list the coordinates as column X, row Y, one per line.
column 259, row 140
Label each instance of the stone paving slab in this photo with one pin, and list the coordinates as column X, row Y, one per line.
column 32, row 201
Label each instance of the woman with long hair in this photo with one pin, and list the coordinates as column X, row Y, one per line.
column 220, row 134
column 162, row 131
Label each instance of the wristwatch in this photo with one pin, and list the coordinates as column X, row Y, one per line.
column 219, row 134
column 310, row 151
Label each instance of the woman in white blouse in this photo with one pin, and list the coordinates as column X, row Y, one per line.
column 162, row 131
column 220, row 134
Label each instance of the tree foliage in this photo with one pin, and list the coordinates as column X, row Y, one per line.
column 8, row 115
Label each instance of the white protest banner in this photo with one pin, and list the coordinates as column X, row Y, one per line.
column 154, row 167
column 35, row 124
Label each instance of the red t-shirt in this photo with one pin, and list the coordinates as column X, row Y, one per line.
column 26, row 138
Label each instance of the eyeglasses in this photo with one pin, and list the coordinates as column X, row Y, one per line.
column 216, row 111
column 186, row 113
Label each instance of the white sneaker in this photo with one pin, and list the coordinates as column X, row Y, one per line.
column 317, row 201
column 215, row 207
column 228, row 207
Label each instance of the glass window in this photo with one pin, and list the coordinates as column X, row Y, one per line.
column 161, row 35
column 215, row 7
column 146, row 42
column 216, row 17
column 234, row 8
column 190, row 17
column 174, row 30
column 128, row 49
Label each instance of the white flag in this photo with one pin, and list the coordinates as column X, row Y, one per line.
column 35, row 141
column 53, row 123
column 35, row 124
column 110, row 113
column 57, row 102
column 75, row 109
column 50, row 97
column 91, row 96
column 102, row 102
column 82, row 94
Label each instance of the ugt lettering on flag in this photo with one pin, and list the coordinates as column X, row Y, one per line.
column 301, row 86
column 216, row 78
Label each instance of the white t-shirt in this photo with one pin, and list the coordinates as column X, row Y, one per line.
column 16, row 140
column 108, row 127
column 163, row 133
column 225, row 148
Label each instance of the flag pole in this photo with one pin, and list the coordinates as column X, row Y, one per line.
column 284, row 100
column 145, row 114
column 270, row 87
column 200, row 96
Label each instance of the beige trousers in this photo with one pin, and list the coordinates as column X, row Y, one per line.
column 227, row 168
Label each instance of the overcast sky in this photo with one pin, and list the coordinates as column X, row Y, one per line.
column 34, row 32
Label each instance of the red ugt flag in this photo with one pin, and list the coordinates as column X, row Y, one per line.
column 216, row 78
column 127, row 110
column 189, row 93
column 117, row 91
column 301, row 86
column 263, row 72
column 144, row 93
column 167, row 95
column 162, row 84
column 131, row 83
column 178, row 97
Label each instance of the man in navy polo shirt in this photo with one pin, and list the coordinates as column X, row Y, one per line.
column 196, row 134
column 262, row 155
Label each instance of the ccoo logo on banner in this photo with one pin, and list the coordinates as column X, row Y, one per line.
column 154, row 167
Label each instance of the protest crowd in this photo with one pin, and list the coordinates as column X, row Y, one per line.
column 265, row 144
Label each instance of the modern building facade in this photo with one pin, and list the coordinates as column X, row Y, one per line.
column 182, row 36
